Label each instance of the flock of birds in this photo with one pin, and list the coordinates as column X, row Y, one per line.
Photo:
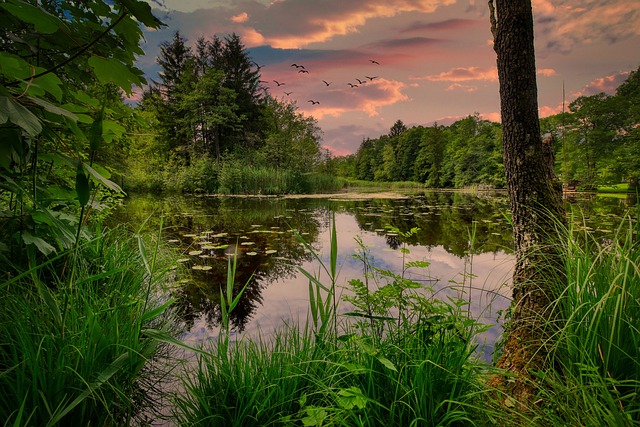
column 302, row 70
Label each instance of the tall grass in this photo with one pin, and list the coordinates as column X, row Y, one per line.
column 76, row 336
column 339, row 371
column 598, row 347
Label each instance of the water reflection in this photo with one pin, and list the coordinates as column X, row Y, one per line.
column 465, row 238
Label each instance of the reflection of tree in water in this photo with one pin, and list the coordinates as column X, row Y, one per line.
column 444, row 219
column 215, row 226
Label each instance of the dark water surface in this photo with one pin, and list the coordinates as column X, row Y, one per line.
column 465, row 237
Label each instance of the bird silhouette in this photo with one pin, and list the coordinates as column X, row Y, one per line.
column 259, row 67
column 288, row 93
column 361, row 81
column 352, row 85
column 374, row 61
column 278, row 83
column 371, row 78
column 297, row 66
column 303, row 71
column 313, row 102
column 326, row 82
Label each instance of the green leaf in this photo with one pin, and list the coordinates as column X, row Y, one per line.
column 351, row 397
column 315, row 416
column 387, row 363
column 109, row 184
column 142, row 11
column 82, row 186
column 95, row 133
column 11, row 110
column 53, row 108
column 42, row 20
column 112, row 70
column 42, row 246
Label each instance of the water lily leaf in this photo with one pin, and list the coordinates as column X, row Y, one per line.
column 13, row 111
column 194, row 253
column 181, row 260
column 248, row 243
column 270, row 251
column 252, row 253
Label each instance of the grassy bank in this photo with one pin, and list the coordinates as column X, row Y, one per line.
column 77, row 333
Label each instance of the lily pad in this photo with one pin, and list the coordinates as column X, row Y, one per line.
column 194, row 253
column 252, row 253
column 270, row 251
column 248, row 243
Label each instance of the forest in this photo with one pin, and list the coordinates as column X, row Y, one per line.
column 88, row 333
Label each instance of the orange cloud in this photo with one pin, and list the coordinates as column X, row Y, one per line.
column 240, row 18
column 321, row 27
column 607, row 84
column 546, row 72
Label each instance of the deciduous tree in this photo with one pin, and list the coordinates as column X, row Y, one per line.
column 534, row 195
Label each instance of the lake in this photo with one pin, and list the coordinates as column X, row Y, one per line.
column 465, row 238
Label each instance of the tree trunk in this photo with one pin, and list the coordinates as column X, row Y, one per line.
column 534, row 194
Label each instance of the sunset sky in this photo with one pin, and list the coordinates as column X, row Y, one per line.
column 435, row 57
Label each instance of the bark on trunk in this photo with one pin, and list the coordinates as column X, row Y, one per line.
column 535, row 195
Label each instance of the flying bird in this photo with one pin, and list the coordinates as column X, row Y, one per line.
column 313, row 102
column 288, row 93
column 278, row 83
column 303, row 71
column 374, row 62
column 326, row 82
column 371, row 78
column 297, row 66
column 257, row 66
column 361, row 81
column 352, row 85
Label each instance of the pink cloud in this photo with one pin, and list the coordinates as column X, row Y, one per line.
column 464, row 74
column 546, row 72
column 607, row 84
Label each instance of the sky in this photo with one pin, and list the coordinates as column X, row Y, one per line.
column 419, row 61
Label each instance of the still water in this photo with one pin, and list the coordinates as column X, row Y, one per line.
column 465, row 238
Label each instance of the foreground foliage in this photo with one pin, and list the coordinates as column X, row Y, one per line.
column 78, row 335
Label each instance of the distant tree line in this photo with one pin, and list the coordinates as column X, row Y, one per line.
column 596, row 141
column 466, row 153
column 211, row 119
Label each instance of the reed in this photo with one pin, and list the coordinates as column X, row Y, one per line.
column 74, row 348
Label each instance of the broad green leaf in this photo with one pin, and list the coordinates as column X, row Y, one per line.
column 142, row 11
column 112, row 70
column 42, row 246
column 53, row 108
column 351, row 397
column 82, row 185
column 95, row 133
column 42, row 20
column 11, row 110
column 315, row 416
column 112, row 130
column 50, row 83
column 110, row 184
column 14, row 67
